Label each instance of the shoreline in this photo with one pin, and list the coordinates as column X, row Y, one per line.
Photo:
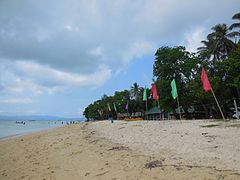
column 27, row 133
column 81, row 152
column 28, row 130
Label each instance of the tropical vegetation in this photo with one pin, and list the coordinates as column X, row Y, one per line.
column 219, row 55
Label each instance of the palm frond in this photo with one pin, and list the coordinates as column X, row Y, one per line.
column 234, row 25
column 236, row 16
column 233, row 34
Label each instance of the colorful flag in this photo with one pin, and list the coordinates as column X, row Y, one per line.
column 114, row 107
column 109, row 108
column 145, row 94
column 154, row 92
column 205, row 82
column 126, row 107
column 174, row 89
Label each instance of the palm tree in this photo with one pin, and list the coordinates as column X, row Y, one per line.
column 235, row 34
column 218, row 44
column 208, row 50
column 135, row 91
column 104, row 97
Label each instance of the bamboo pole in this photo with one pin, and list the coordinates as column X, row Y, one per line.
column 236, row 108
column 127, row 108
column 179, row 109
column 218, row 105
column 146, row 110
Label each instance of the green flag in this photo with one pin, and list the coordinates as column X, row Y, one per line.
column 145, row 94
column 174, row 89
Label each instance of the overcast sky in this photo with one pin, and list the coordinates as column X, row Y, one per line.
column 57, row 56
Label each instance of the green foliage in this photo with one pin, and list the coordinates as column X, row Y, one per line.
column 99, row 109
column 232, row 68
column 175, row 63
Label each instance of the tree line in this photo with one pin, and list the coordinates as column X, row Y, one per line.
column 219, row 55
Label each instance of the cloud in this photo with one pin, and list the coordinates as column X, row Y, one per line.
column 193, row 38
column 23, row 76
column 137, row 50
column 78, row 36
column 16, row 101
column 98, row 51
column 49, row 77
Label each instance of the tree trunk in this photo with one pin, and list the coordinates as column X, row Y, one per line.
column 205, row 110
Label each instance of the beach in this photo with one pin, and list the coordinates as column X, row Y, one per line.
column 125, row 150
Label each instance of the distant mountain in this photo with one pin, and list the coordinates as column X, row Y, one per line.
column 40, row 117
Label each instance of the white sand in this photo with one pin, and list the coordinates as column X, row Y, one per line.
column 178, row 142
column 79, row 152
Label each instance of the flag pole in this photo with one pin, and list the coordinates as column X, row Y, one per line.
column 114, row 106
column 112, row 116
column 117, row 115
column 146, row 106
column 179, row 109
column 158, row 103
column 218, row 104
column 146, row 109
column 145, row 99
column 110, row 110
column 127, row 107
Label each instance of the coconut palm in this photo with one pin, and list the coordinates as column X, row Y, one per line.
column 235, row 34
column 135, row 91
column 208, row 50
column 218, row 44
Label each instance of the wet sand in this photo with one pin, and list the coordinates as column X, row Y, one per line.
column 102, row 150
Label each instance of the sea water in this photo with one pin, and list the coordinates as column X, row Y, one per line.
column 10, row 128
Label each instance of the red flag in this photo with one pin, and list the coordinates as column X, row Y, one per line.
column 154, row 92
column 205, row 82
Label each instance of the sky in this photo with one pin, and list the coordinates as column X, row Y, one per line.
column 58, row 56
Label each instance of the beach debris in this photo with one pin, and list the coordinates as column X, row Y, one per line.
column 101, row 174
column 87, row 137
column 4, row 174
column 179, row 168
column 87, row 173
column 153, row 164
column 210, row 125
column 118, row 148
column 92, row 132
column 94, row 141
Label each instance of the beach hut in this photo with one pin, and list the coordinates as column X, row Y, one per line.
column 192, row 113
column 154, row 114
